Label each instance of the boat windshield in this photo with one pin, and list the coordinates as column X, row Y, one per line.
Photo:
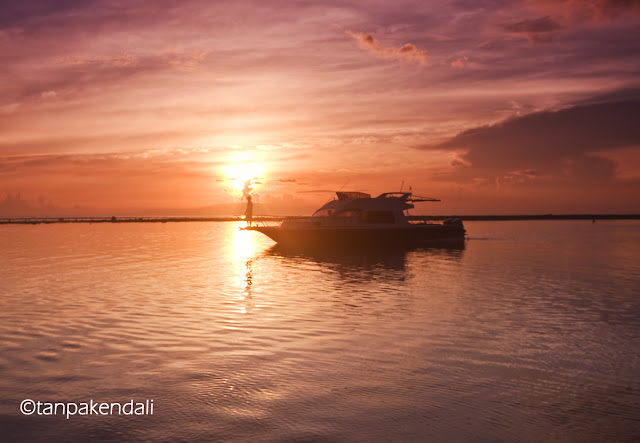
column 352, row 195
column 323, row 213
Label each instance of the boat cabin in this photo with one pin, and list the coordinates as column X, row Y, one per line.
column 359, row 208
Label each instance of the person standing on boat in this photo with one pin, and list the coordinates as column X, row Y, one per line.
column 248, row 213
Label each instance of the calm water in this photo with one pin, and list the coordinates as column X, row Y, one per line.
column 529, row 333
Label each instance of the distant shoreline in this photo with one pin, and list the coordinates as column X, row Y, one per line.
column 50, row 220
column 530, row 217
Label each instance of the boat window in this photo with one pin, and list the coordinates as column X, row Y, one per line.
column 348, row 213
column 378, row 217
column 323, row 213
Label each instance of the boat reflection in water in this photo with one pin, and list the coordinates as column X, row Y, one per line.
column 366, row 264
column 371, row 283
column 355, row 220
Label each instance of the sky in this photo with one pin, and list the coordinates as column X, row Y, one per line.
column 113, row 107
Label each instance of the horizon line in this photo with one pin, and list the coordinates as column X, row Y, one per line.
column 170, row 219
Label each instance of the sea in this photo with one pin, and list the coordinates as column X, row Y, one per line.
column 529, row 332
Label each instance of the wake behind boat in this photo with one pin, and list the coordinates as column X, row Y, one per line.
column 355, row 219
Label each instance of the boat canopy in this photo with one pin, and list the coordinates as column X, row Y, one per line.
column 386, row 208
column 407, row 196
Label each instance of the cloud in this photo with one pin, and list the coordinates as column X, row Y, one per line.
column 542, row 24
column 577, row 11
column 97, row 182
column 460, row 62
column 590, row 168
column 562, row 17
column 35, row 12
column 121, row 60
column 110, row 76
column 75, row 75
column 407, row 52
column 14, row 205
column 538, row 30
column 568, row 143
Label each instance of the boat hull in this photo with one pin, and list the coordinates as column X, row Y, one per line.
column 345, row 237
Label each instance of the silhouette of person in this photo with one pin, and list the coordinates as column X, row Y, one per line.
column 248, row 213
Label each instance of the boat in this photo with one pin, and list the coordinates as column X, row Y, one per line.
column 355, row 219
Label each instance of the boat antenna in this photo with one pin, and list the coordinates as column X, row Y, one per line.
column 401, row 185
column 345, row 184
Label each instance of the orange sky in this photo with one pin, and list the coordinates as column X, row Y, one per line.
column 143, row 108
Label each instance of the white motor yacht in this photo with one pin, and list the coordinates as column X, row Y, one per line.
column 355, row 219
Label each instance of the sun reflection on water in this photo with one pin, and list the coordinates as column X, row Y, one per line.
column 244, row 245
column 244, row 249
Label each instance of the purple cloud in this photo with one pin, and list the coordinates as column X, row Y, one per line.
column 567, row 143
column 538, row 30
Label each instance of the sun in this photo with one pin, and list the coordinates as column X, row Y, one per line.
column 239, row 173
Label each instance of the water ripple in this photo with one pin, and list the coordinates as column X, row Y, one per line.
column 528, row 334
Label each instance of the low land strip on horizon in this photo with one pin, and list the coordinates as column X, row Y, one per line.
column 425, row 218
